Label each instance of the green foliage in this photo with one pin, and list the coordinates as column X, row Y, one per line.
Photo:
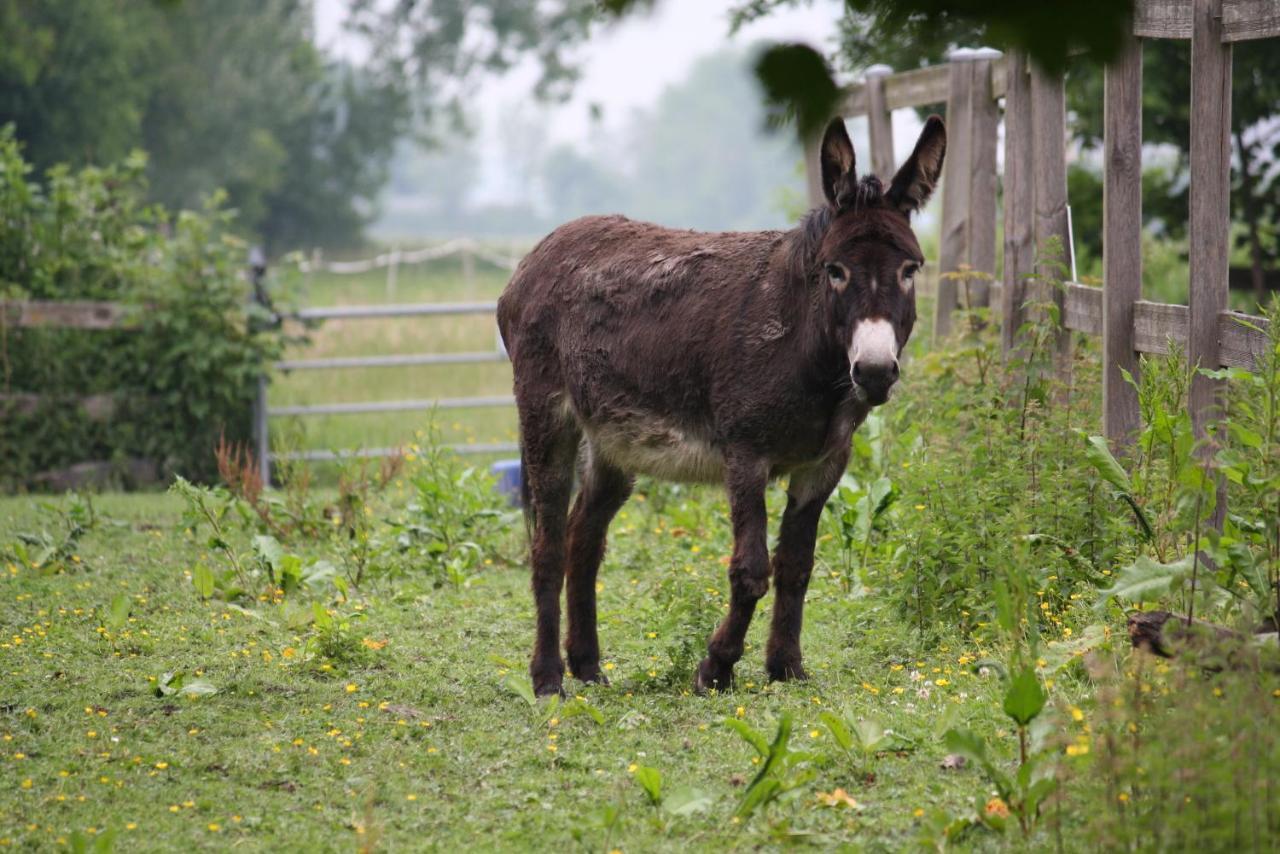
column 178, row 383
column 229, row 94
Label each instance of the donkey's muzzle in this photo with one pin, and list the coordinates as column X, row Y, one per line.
column 875, row 378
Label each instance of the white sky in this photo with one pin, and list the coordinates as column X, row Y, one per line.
column 627, row 65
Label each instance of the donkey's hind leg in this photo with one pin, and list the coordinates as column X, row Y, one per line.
column 550, row 445
column 603, row 491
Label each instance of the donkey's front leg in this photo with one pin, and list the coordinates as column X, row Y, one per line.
column 793, row 563
column 748, row 570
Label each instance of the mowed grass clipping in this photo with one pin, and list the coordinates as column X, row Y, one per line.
column 419, row 739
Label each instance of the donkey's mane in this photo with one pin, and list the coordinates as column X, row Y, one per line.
column 867, row 193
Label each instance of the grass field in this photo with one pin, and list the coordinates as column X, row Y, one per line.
column 345, row 667
column 419, row 743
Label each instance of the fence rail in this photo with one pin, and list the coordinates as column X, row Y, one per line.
column 264, row 412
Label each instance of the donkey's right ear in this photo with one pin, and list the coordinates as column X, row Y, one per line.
column 839, row 176
column 914, row 183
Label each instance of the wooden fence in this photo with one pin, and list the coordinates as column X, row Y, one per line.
column 971, row 86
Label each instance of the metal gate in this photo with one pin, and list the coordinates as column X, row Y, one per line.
column 263, row 411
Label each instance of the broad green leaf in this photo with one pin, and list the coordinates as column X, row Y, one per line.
column 838, row 730
column 686, row 800
column 118, row 614
column 1099, row 456
column 202, row 579
column 1145, row 580
column 198, row 688
column 518, row 684
column 322, row 617
column 749, row 735
column 1025, row 696
column 870, row 735
column 650, row 779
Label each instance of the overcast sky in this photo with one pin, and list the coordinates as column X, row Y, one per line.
column 627, row 65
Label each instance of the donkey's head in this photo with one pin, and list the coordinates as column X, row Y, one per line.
column 869, row 255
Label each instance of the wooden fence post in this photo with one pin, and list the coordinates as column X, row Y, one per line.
column 880, row 124
column 1019, row 199
column 969, row 181
column 953, row 249
column 1121, row 241
column 983, row 126
column 1049, row 167
column 813, row 171
column 1210, row 222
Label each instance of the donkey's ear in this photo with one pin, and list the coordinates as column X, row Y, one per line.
column 915, row 181
column 839, row 177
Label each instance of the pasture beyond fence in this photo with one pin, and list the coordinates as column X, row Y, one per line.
column 973, row 83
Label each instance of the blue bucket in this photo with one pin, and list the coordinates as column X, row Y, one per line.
column 509, row 478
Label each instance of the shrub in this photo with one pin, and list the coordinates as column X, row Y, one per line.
column 178, row 382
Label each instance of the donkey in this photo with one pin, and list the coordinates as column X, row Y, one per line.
column 731, row 358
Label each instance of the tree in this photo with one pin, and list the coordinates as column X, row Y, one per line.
column 222, row 94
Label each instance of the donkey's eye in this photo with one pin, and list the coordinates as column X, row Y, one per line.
column 909, row 274
column 838, row 274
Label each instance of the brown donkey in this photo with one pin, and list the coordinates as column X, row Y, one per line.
column 727, row 358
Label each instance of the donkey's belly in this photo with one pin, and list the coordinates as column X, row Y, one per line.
column 656, row 448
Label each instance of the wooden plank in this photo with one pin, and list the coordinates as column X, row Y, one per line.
column 1082, row 309
column 69, row 314
column 1019, row 197
column 1122, row 240
column 984, row 130
column 1162, row 19
column 957, row 171
column 854, row 103
column 1210, row 222
column 1158, row 325
column 880, row 124
column 919, row 87
column 1243, row 20
column 1049, row 166
column 1240, row 346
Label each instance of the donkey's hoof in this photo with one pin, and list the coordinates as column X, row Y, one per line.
column 712, row 675
column 785, row 671
column 592, row 676
column 547, row 681
column 547, row 687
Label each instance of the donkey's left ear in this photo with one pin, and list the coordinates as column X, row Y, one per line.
column 915, row 181
column 839, row 174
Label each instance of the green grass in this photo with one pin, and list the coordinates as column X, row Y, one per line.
column 420, row 744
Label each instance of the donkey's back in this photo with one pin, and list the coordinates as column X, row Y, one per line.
column 624, row 329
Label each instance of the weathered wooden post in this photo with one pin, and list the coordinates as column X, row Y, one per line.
column 1019, row 199
column 1210, row 222
column 812, row 172
column 1121, row 241
column 880, row 124
column 969, row 181
column 1049, row 168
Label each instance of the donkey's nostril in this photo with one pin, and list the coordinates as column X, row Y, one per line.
column 857, row 370
column 896, row 370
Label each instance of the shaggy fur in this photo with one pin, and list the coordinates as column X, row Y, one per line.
column 723, row 358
